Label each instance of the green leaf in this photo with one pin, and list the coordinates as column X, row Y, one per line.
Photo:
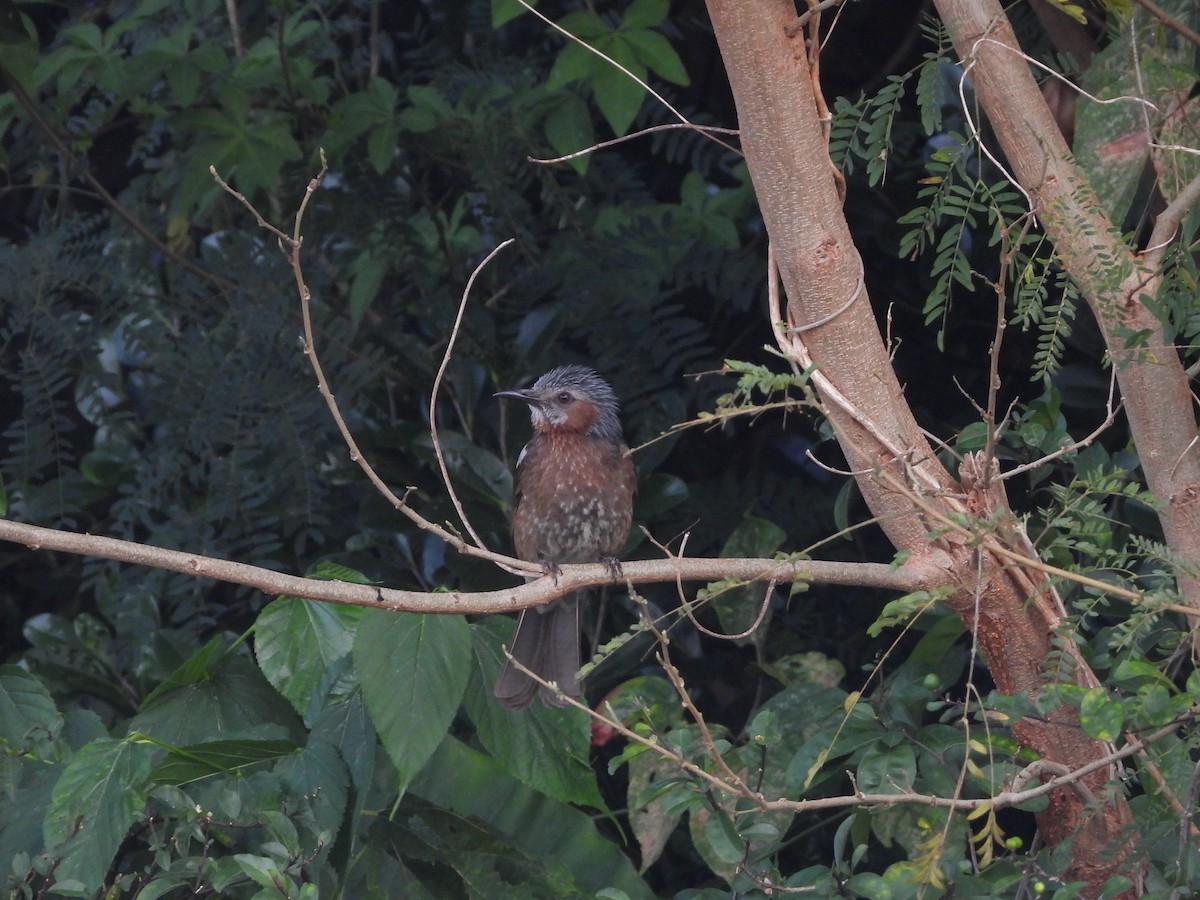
column 381, row 145
column 574, row 63
column 99, row 795
column 885, row 769
column 870, row 885
column 569, row 129
column 15, row 28
column 331, row 571
column 28, row 785
column 29, row 718
column 841, row 505
column 585, row 24
column 296, row 640
column 471, row 785
column 1101, row 715
column 723, row 838
column 738, row 606
column 319, row 776
column 504, row 11
column 619, row 96
column 262, row 870
column 471, row 465
column 753, row 537
column 187, row 764
column 227, row 697
column 645, row 13
column 547, row 749
column 656, row 53
column 346, row 726
column 1133, row 673
column 196, row 668
column 414, row 670
column 368, row 270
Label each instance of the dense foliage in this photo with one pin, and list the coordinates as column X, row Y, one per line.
column 164, row 736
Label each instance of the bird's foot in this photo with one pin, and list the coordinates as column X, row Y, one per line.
column 550, row 567
column 614, row 567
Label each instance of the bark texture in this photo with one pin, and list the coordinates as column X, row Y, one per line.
column 1114, row 279
column 1016, row 620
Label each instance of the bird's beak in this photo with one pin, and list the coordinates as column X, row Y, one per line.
column 527, row 396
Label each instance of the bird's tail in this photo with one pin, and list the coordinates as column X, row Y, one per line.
column 546, row 642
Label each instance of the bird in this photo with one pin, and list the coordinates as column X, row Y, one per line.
column 572, row 502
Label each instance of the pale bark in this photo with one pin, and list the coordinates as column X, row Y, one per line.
column 537, row 592
column 1111, row 276
column 779, row 114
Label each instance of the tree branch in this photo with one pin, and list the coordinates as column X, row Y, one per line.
column 533, row 593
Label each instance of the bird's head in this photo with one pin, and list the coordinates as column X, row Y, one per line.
column 571, row 399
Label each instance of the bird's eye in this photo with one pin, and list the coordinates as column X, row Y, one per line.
column 564, row 397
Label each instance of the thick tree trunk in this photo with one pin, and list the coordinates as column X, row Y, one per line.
column 779, row 115
column 1113, row 279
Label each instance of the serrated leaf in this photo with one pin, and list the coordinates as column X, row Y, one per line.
column 414, row 670
column 318, row 775
column 296, row 640
column 99, row 795
column 228, row 697
column 547, row 749
column 28, row 715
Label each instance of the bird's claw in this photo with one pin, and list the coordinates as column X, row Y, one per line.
column 614, row 567
column 550, row 567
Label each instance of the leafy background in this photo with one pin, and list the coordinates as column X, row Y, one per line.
column 165, row 735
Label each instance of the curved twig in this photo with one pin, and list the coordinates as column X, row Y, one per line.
column 437, row 386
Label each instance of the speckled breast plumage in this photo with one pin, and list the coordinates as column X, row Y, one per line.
column 572, row 499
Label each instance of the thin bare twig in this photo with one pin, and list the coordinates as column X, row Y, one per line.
column 688, row 606
column 1109, row 419
column 437, row 386
column 738, row 788
column 793, row 346
column 1008, row 249
column 616, row 65
column 1168, row 223
column 1169, row 20
column 1022, row 560
column 670, row 126
column 729, row 776
column 235, row 28
column 294, row 244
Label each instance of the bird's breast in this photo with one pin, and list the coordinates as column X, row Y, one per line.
column 574, row 498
